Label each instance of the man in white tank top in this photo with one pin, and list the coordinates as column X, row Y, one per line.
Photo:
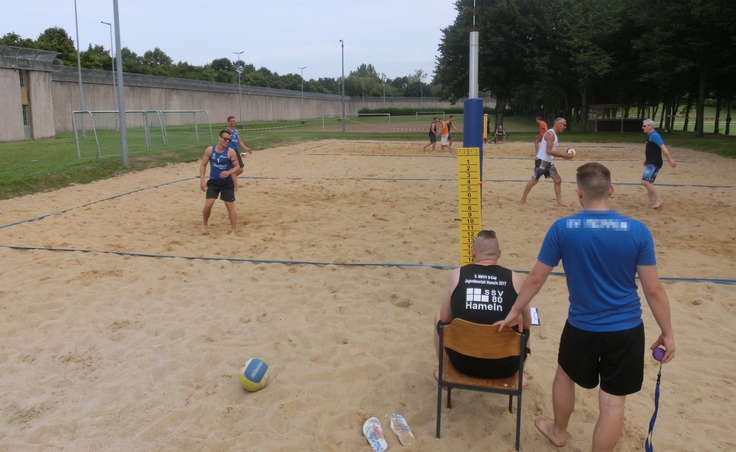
column 543, row 162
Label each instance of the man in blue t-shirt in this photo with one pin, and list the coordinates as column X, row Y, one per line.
column 653, row 162
column 603, row 338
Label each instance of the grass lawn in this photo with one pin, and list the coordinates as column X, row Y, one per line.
column 35, row 166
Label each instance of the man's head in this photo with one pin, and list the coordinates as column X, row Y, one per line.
column 224, row 137
column 485, row 246
column 559, row 125
column 647, row 126
column 539, row 119
column 594, row 182
column 231, row 121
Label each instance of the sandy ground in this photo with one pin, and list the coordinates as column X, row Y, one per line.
column 124, row 329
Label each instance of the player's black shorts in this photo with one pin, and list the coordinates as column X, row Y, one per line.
column 616, row 359
column 226, row 190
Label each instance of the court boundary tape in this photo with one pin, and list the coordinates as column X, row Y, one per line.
column 315, row 263
column 41, row 217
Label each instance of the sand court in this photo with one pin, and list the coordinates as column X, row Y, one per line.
column 124, row 328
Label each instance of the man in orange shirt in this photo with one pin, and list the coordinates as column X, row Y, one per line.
column 542, row 131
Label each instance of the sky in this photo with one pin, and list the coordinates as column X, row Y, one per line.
column 397, row 37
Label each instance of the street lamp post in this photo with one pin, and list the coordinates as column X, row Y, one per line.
column 112, row 58
column 342, row 44
column 302, row 106
column 79, row 69
column 240, row 93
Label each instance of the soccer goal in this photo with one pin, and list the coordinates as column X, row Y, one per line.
column 428, row 113
column 155, row 128
column 359, row 121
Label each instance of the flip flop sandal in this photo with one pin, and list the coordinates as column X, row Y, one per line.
column 374, row 434
column 402, row 430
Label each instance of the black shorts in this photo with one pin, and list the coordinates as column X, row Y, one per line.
column 616, row 359
column 226, row 190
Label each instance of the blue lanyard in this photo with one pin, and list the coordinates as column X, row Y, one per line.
column 648, row 443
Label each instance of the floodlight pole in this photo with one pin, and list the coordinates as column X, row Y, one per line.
column 342, row 44
column 112, row 59
column 240, row 93
column 121, row 85
column 79, row 69
column 302, row 106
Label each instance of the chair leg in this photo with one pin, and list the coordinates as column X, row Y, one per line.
column 439, row 410
column 518, row 422
column 449, row 397
column 511, row 404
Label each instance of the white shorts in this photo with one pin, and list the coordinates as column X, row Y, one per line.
column 444, row 140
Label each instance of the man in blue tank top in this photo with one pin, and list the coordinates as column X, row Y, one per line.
column 603, row 338
column 481, row 292
column 223, row 167
column 235, row 144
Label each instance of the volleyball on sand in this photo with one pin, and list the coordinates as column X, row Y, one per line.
column 253, row 375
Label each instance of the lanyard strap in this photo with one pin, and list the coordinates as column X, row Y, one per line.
column 648, row 443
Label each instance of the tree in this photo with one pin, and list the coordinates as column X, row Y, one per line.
column 96, row 58
column 14, row 39
column 57, row 40
column 157, row 62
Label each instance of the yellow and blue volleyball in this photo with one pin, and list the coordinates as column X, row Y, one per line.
column 254, row 375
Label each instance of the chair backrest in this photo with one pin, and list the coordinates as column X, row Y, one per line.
column 481, row 341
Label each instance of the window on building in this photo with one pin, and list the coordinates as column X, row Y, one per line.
column 23, row 79
column 26, row 119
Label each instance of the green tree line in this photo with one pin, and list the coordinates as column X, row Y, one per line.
column 557, row 57
column 364, row 81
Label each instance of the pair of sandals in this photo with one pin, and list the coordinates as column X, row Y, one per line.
column 374, row 433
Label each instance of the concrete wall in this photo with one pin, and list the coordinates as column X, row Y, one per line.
column 54, row 95
column 218, row 99
column 11, row 111
column 41, row 105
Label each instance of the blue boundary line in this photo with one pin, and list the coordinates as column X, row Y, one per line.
column 284, row 262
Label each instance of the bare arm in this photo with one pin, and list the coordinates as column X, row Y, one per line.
column 445, row 308
column 203, row 168
column 549, row 137
column 242, row 145
column 531, row 287
column 526, row 313
column 660, row 305
column 666, row 153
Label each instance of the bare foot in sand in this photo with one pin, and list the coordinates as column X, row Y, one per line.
column 547, row 428
column 657, row 204
column 204, row 230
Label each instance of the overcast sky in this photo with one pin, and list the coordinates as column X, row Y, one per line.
column 396, row 36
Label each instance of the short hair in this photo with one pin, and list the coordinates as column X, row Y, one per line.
column 486, row 245
column 594, row 180
column 225, row 131
column 539, row 118
column 558, row 120
column 434, row 119
column 648, row 122
column 230, row 117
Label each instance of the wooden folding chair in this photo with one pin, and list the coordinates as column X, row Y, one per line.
column 480, row 341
